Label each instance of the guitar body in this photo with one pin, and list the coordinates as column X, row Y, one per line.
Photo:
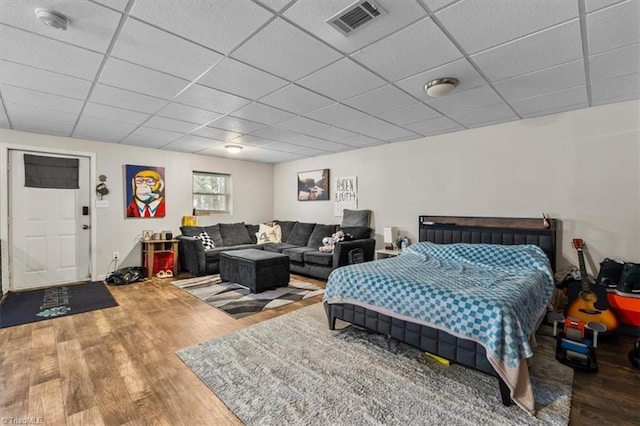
column 588, row 302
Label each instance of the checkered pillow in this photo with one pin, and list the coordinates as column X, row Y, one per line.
column 207, row 242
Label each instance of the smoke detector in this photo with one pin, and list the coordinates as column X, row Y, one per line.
column 53, row 19
column 355, row 16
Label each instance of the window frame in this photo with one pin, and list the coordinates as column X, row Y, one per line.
column 227, row 194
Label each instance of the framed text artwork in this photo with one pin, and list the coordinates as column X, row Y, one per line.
column 313, row 185
column 346, row 195
column 145, row 191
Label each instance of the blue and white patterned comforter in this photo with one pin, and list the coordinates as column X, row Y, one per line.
column 492, row 294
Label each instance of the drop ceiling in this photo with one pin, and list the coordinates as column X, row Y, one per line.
column 274, row 77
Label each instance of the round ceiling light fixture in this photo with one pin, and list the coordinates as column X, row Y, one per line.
column 233, row 149
column 440, row 86
column 53, row 19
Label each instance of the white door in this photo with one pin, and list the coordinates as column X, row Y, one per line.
column 49, row 238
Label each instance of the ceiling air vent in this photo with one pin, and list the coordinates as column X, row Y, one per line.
column 355, row 16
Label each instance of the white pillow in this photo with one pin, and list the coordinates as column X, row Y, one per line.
column 207, row 242
column 268, row 234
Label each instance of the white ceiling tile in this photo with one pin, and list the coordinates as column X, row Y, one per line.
column 236, row 124
column 109, row 113
column 300, row 125
column 115, row 4
column 332, row 134
column 435, row 126
column 249, row 140
column 479, row 25
column 458, row 102
column 551, row 79
column 220, row 151
column 219, row 134
column 491, row 114
column 211, row 99
column 319, row 144
column 145, row 45
column 275, row 5
column 41, row 52
column 90, row 25
column 287, row 147
column 592, row 5
column 468, row 78
column 121, row 98
column 296, row 99
column 342, row 79
column 46, row 115
column 613, row 27
column 623, row 98
column 406, row 53
column 221, row 25
column 262, row 114
column 18, row 95
column 435, row 5
column 336, row 114
column 268, row 156
column 150, row 137
column 362, row 141
column 240, row 79
column 410, row 114
column 191, row 143
column 377, row 101
column 284, row 50
column 554, row 101
column 312, row 14
column 36, row 125
column 171, row 124
column 615, row 63
column 43, row 81
column 626, row 85
column 540, row 50
column 138, row 79
column 274, row 133
column 377, row 128
column 186, row 113
column 102, row 130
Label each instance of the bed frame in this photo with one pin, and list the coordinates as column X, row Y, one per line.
column 448, row 230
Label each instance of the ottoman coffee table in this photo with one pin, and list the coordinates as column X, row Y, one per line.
column 257, row 269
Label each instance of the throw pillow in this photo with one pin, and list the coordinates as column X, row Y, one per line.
column 234, row 234
column 355, row 218
column 357, row 232
column 207, row 242
column 269, row 234
column 300, row 233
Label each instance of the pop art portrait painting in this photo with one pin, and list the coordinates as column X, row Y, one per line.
column 145, row 191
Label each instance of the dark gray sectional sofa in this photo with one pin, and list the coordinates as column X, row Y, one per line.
column 301, row 242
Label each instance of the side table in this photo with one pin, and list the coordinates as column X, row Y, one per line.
column 385, row 253
column 151, row 247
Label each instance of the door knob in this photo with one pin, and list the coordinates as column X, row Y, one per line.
column 85, row 227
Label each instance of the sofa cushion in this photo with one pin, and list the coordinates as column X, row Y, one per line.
column 286, row 226
column 300, row 233
column 207, row 242
column 214, row 234
column 296, row 253
column 192, row 231
column 252, row 229
column 234, row 234
column 355, row 218
column 318, row 258
column 319, row 232
column 357, row 232
column 269, row 234
column 276, row 247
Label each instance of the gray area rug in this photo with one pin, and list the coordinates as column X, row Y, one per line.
column 238, row 301
column 293, row 370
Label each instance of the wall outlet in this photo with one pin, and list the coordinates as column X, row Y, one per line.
column 116, row 255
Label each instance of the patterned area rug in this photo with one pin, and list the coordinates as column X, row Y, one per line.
column 238, row 301
column 294, row 370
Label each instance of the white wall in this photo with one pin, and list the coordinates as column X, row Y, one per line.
column 582, row 167
column 252, row 190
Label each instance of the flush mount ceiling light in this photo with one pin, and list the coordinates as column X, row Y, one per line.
column 440, row 86
column 53, row 19
column 233, row 149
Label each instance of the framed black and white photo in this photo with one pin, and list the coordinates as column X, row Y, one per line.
column 313, row 185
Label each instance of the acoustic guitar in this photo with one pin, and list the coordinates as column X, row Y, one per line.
column 588, row 302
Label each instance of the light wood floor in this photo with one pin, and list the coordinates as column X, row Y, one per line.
column 118, row 366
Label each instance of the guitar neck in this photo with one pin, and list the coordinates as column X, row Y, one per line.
column 583, row 271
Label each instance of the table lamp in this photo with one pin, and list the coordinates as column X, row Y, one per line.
column 390, row 235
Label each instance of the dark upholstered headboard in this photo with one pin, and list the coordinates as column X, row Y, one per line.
column 490, row 230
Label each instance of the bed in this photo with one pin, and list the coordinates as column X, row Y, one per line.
column 454, row 291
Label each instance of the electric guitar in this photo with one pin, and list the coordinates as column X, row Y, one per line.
column 588, row 302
